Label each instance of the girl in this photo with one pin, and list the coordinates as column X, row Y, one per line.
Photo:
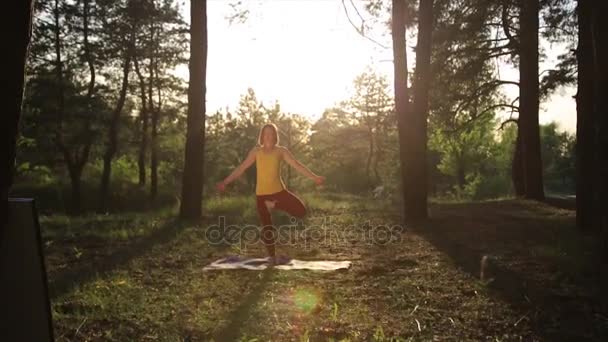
column 271, row 192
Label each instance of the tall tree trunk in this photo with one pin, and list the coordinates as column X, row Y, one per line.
column 59, row 79
column 75, row 173
column 112, row 144
column 584, row 118
column 154, row 156
column 75, row 203
column 417, row 165
column 600, row 49
column 152, row 81
column 18, row 44
column 192, row 182
column 143, row 143
column 517, row 163
column 517, row 167
column 75, row 158
column 75, row 167
column 154, row 139
column 529, row 95
column 82, row 155
column 87, row 52
column 401, row 94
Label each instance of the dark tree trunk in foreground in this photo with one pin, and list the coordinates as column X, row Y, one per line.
column 412, row 121
column 19, row 23
column 584, row 119
column 592, row 120
column 401, row 92
column 600, row 104
column 529, row 94
column 418, row 167
column 192, row 181
column 112, row 144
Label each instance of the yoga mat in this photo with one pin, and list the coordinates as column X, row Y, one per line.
column 240, row 262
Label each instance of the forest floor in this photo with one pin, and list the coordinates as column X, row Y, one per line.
column 139, row 277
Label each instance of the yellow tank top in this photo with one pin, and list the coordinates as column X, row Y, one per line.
column 268, row 172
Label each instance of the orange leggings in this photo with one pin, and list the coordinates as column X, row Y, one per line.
column 285, row 201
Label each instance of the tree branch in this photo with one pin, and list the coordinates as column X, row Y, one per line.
column 499, row 54
column 510, row 120
column 505, row 26
column 481, row 90
column 500, row 105
column 359, row 30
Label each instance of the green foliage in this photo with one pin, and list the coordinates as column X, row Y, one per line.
column 474, row 160
column 354, row 142
column 558, row 154
column 67, row 110
column 477, row 162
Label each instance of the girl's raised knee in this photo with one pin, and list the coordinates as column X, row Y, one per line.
column 301, row 212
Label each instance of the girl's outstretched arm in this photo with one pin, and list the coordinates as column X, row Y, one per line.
column 291, row 160
column 238, row 171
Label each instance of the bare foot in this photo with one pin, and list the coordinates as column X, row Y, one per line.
column 270, row 204
column 272, row 261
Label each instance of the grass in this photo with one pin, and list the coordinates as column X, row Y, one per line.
column 138, row 277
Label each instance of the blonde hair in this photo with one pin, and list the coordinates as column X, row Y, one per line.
column 261, row 135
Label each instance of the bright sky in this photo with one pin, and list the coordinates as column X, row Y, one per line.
column 305, row 54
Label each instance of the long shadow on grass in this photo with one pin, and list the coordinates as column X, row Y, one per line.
column 467, row 232
column 242, row 313
column 83, row 273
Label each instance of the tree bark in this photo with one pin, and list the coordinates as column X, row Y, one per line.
column 112, row 144
column 584, row 118
column 517, row 167
column 401, row 94
column 600, row 50
column 143, row 143
column 82, row 158
column 154, row 156
column 417, row 165
column 18, row 45
column 87, row 52
column 71, row 164
column 192, row 182
column 529, row 93
column 75, row 181
column 154, row 138
column 74, row 157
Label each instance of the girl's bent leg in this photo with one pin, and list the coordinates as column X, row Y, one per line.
column 290, row 203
